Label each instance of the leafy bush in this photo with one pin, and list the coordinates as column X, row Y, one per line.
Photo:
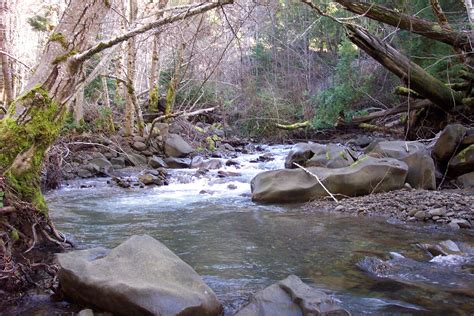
column 335, row 102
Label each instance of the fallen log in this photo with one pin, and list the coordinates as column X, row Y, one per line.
column 291, row 127
column 399, row 109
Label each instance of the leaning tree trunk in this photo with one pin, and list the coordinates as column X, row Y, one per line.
column 34, row 120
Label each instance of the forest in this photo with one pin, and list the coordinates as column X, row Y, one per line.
column 236, row 157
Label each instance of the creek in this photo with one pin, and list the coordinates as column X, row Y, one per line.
column 240, row 247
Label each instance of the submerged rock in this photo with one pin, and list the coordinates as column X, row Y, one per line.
column 442, row 272
column 291, row 297
column 139, row 277
column 367, row 175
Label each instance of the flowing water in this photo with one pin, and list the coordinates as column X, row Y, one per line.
column 240, row 247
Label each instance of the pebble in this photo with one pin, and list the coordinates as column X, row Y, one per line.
column 453, row 225
column 438, row 211
column 461, row 223
column 420, row 215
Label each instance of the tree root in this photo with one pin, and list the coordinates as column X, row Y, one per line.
column 23, row 230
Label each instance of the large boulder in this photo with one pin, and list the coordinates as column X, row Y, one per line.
column 176, row 146
column 210, row 164
column 463, row 162
column 157, row 162
column 177, row 163
column 466, row 180
column 302, row 152
column 421, row 167
column 291, row 297
column 367, row 175
column 101, row 165
column 139, row 277
column 448, row 141
column 135, row 159
column 468, row 138
column 333, row 156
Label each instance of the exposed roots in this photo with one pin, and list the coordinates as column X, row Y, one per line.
column 25, row 234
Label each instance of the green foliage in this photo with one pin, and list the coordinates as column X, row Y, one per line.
column 39, row 23
column 334, row 103
column 2, row 195
column 60, row 38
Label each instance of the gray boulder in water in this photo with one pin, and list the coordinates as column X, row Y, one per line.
column 176, row 146
column 291, row 297
column 367, row 175
column 139, row 277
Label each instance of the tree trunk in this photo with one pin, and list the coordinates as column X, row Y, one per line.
column 413, row 24
column 78, row 109
column 110, row 116
column 414, row 76
column 6, row 69
column 154, row 97
column 174, row 82
column 470, row 10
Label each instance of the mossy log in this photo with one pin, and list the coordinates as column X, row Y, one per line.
column 294, row 126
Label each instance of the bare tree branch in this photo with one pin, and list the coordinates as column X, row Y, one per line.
column 83, row 56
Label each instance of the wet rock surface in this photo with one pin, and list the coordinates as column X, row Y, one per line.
column 291, row 297
column 368, row 175
column 139, row 277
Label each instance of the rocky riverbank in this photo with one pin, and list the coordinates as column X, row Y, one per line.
column 453, row 209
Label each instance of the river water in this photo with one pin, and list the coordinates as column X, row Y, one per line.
column 240, row 247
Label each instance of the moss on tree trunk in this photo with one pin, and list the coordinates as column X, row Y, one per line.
column 25, row 140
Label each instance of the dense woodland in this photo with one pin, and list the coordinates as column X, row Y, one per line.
column 263, row 70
